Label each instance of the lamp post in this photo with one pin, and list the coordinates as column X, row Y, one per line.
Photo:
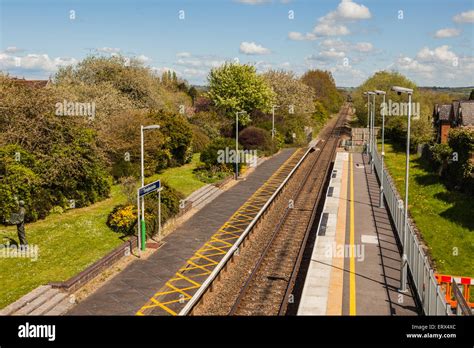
column 141, row 217
column 374, row 138
column 367, row 148
column 404, row 271
column 273, row 120
column 237, row 142
column 378, row 92
column 369, row 124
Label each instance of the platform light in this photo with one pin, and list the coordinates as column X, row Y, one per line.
column 383, row 93
column 237, row 142
column 404, row 273
column 142, row 174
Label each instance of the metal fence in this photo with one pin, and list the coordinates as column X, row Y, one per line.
column 429, row 293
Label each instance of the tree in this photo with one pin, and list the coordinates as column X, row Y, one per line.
column 324, row 87
column 471, row 96
column 236, row 87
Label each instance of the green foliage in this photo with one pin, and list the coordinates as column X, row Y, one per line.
column 381, row 80
column 170, row 206
column 213, row 153
column 178, row 135
column 440, row 154
column 123, row 219
column 461, row 141
column 324, row 87
column 199, row 140
column 19, row 182
column 236, row 87
column 253, row 138
column 471, row 95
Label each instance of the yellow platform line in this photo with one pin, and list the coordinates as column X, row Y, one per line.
column 237, row 222
column 352, row 279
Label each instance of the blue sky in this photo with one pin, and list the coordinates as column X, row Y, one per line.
column 430, row 41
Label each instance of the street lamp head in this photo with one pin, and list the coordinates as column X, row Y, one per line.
column 154, row 126
column 379, row 92
column 401, row 90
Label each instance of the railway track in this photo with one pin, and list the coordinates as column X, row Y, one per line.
column 268, row 287
column 271, row 259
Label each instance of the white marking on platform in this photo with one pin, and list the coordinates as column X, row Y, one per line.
column 369, row 239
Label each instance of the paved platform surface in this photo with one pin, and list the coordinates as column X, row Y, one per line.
column 377, row 271
column 355, row 265
column 128, row 291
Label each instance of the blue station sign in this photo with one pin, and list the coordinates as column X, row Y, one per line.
column 154, row 186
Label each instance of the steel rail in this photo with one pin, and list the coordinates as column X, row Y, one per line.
column 296, row 267
column 206, row 284
column 277, row 229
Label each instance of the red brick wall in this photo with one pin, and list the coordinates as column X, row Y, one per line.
column 444, row 133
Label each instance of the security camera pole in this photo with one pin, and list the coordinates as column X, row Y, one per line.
column 273, row 120
column 378, row 92
column 367, row 149
column 369, row 124
column 141, row 217
column 237, row 142
column 404, row 272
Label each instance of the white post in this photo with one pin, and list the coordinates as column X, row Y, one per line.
column 405, row 239
column 236, row 145
column 159, row 215
column 383, row 153
column 374, row 142
column 142, row 170
column 139, row 235
column 273, row 121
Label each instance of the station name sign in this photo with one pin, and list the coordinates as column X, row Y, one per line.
column 154, row 186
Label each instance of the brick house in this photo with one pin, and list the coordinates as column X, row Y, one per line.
column 443, row 117
column 460, row 113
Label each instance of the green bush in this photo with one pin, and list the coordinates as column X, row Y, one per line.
column 213, row 155
column 200, row 140
column 177, row 131
column 461, row 141
column 123, row 219
column 253, row 138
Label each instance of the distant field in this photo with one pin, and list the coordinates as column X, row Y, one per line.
column 444, row 218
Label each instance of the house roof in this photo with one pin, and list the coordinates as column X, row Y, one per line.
column 467, row 113
column 445, row 112
column 31, row 83
column 456, row 109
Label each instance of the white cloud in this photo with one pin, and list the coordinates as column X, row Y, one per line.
column 330, row 29
column 108, row 50
column 160, row 70
column 251, row 48
column 183, row 54
column 363, row 47
column 409, row 64
column 13, row 49
column 296, row 36
column 464, row 17
column 144, row 59
column 253, row 2
column 335, row 23
column 348, row 10
column 41, row 62
column 447, row 32
column 439, row 54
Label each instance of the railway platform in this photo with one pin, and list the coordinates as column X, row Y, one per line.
column 354, row 267
column 161, row 284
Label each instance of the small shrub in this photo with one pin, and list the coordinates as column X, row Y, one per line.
column 253, row 138
column 123, row 218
